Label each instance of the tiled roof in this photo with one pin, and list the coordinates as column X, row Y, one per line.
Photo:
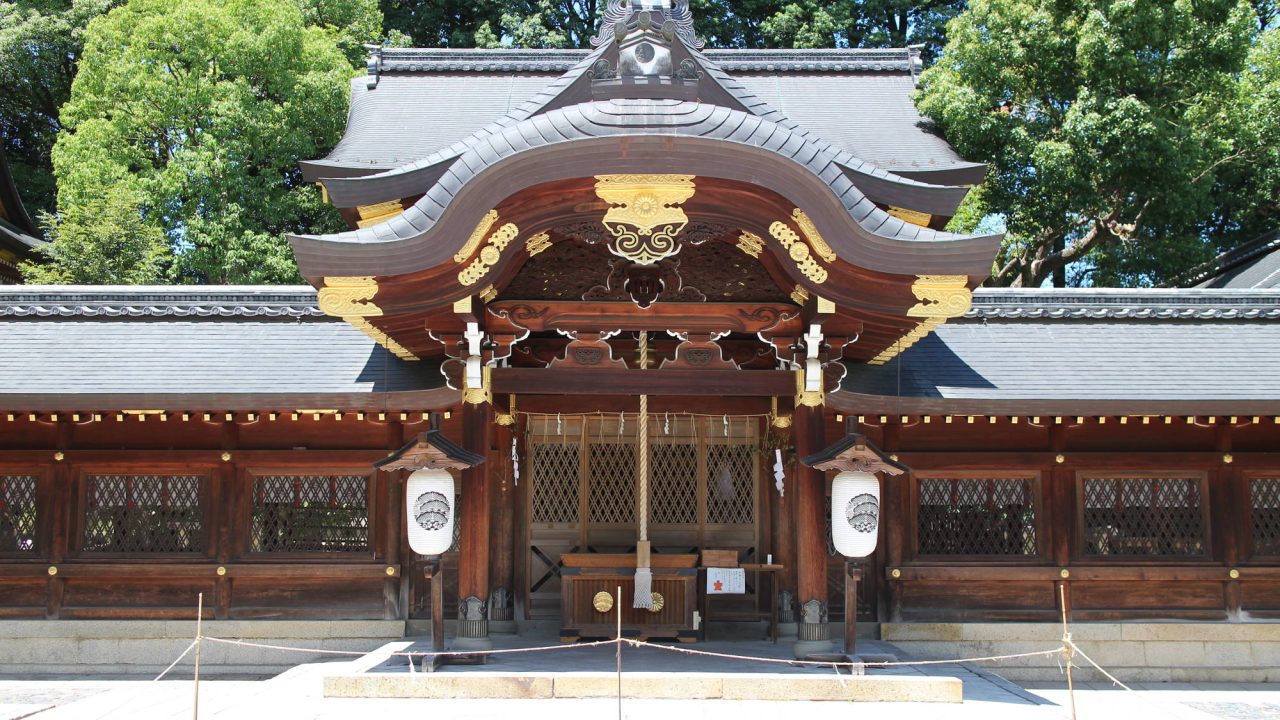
column 1099, row 346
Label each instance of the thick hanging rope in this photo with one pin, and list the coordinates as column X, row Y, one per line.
column 644, row 576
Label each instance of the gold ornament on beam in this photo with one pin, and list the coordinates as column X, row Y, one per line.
column 482, row 394
column 814, row 237
column 378, row 213
column 351, row 298
column 941, row 297
column 920, row 219
column 807, row 398
column 644, row 216
column 750, row 243
column 490, row 254
column 477, row 236
column 798, row 252
column 537, row 244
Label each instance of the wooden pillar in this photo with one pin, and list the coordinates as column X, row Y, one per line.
column 473, row 560
column 1229, row 503
column 813, row 632
column 783, row 510
column 61, row 525
column 502, row 523
column 392, row 518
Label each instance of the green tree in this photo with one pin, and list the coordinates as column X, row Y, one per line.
column 104, row 241
column 202, row 108
column 440, row 23
column 40, row 46
column 862, row 24
column 1107, row 124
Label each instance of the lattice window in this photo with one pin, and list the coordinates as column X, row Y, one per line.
column 555, row 482
column 143, row 514
column 17, row 514
column 1264, row 495
column 673, row 481
column 1143, row 516
column 730, row 485
column 311, row 513
column 976, row 516
column 612, row 497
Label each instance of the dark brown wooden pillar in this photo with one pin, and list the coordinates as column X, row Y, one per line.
column 474, row 515
column 782, row 508
column 502, row 523
column 813, row 633
column 61, row 522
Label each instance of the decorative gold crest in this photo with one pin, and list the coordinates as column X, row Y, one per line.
column 644, row 216
column 658, row 603
column 602, row 602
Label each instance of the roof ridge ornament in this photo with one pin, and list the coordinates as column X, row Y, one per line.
column 623, row 16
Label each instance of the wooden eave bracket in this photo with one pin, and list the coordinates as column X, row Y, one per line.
column 854, row 452
column 431, row 450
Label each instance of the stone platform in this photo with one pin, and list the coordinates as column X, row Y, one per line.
column 654, row 673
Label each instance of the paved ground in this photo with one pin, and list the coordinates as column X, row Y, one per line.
column 297, row 694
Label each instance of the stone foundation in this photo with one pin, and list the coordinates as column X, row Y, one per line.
column 1138, row 652
column 145, row 647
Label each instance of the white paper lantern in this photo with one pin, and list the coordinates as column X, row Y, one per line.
column 855, row 513
column 429, row 497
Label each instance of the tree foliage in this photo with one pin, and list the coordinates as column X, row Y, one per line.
column 1113, row 129
column 105, row 242
column 40, row 46
column 198, row 111
column 725, row 23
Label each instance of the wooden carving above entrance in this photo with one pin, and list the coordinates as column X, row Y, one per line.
column 576, row 268
column 703, row 318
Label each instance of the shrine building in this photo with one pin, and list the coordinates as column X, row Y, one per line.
column 658, row 297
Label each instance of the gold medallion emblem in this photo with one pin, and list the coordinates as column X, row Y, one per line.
column 603, row 602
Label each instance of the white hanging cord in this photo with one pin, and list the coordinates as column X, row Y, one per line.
column 666, row 423
column 559, row 427
column 725, row 420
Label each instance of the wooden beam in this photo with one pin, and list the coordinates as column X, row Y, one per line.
column 702, row 383
column 708, row 317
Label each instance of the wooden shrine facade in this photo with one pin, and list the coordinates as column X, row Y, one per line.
column 1137, row 517
column 644, row 230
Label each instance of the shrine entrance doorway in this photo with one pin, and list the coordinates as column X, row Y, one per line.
column 707, row 490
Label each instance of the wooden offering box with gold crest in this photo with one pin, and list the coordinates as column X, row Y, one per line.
column 589, row 602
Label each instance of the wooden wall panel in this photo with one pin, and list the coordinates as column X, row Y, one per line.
column 333, row 599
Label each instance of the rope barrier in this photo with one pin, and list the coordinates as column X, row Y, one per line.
column 175, row 662
column 322, row 651
column 828, row 663
column 642, row 643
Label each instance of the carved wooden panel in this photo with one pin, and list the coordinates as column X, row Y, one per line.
column 711, row 271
